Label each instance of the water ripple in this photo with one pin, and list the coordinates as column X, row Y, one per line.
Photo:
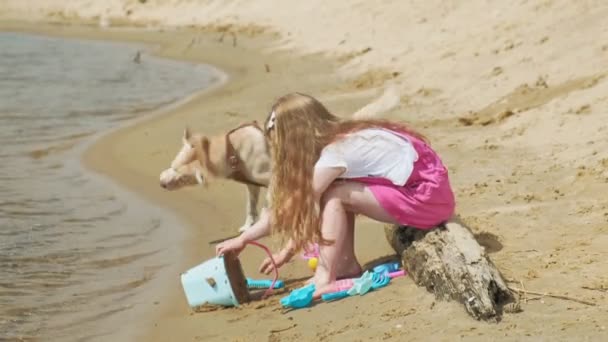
column 73, row 252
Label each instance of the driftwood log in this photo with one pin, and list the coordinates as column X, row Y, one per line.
column 451, row 264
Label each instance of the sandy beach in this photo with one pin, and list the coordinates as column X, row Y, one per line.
column 513, row 96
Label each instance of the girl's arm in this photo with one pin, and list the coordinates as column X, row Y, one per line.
column 259, row 230
column 322, row 178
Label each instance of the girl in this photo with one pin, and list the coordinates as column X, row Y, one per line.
column 325, row 171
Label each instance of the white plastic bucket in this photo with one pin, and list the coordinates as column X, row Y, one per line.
column 209, row 283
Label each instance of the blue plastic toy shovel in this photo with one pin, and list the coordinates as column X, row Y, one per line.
column 299, row 298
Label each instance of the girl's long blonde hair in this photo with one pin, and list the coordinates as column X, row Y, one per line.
column 301, row 128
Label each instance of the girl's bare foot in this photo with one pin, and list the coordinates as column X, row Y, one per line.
column 325, row 284
column 323, row 288
column 353, row 270
column 311, row 280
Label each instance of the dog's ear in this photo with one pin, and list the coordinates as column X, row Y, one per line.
column 186, row 136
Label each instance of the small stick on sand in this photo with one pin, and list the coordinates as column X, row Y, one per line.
column 517, row 290
column 191, row 43
column 594, row 288
column 273, row 331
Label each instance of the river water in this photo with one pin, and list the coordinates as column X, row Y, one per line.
column 76, row 252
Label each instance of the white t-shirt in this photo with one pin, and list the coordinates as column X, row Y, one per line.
column 372, row 152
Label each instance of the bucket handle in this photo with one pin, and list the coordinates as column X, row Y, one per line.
column 276, row 269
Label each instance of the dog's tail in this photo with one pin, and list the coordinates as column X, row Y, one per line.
column 389, row 100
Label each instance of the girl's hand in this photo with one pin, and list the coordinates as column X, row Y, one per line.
column 236, row 245
column 280, row 259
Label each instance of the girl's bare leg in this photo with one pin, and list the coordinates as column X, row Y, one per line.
column 334, row 228
column 340, row 203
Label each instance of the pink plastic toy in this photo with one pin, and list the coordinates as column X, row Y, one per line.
column 344, row 284
column 311, row 252
column 396, row 274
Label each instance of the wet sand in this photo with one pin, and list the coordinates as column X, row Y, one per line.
column 524, row 140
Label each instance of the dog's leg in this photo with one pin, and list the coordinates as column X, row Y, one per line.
column 251, row 214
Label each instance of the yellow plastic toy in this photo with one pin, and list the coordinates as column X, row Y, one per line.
column 312, row 263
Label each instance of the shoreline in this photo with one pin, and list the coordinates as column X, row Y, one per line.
column 519, row 123
column 86, row 159
column 94, row 166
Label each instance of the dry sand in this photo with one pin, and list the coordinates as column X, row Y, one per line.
column 513, row 95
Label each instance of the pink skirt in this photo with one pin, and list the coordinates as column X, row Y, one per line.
column 422, row 205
